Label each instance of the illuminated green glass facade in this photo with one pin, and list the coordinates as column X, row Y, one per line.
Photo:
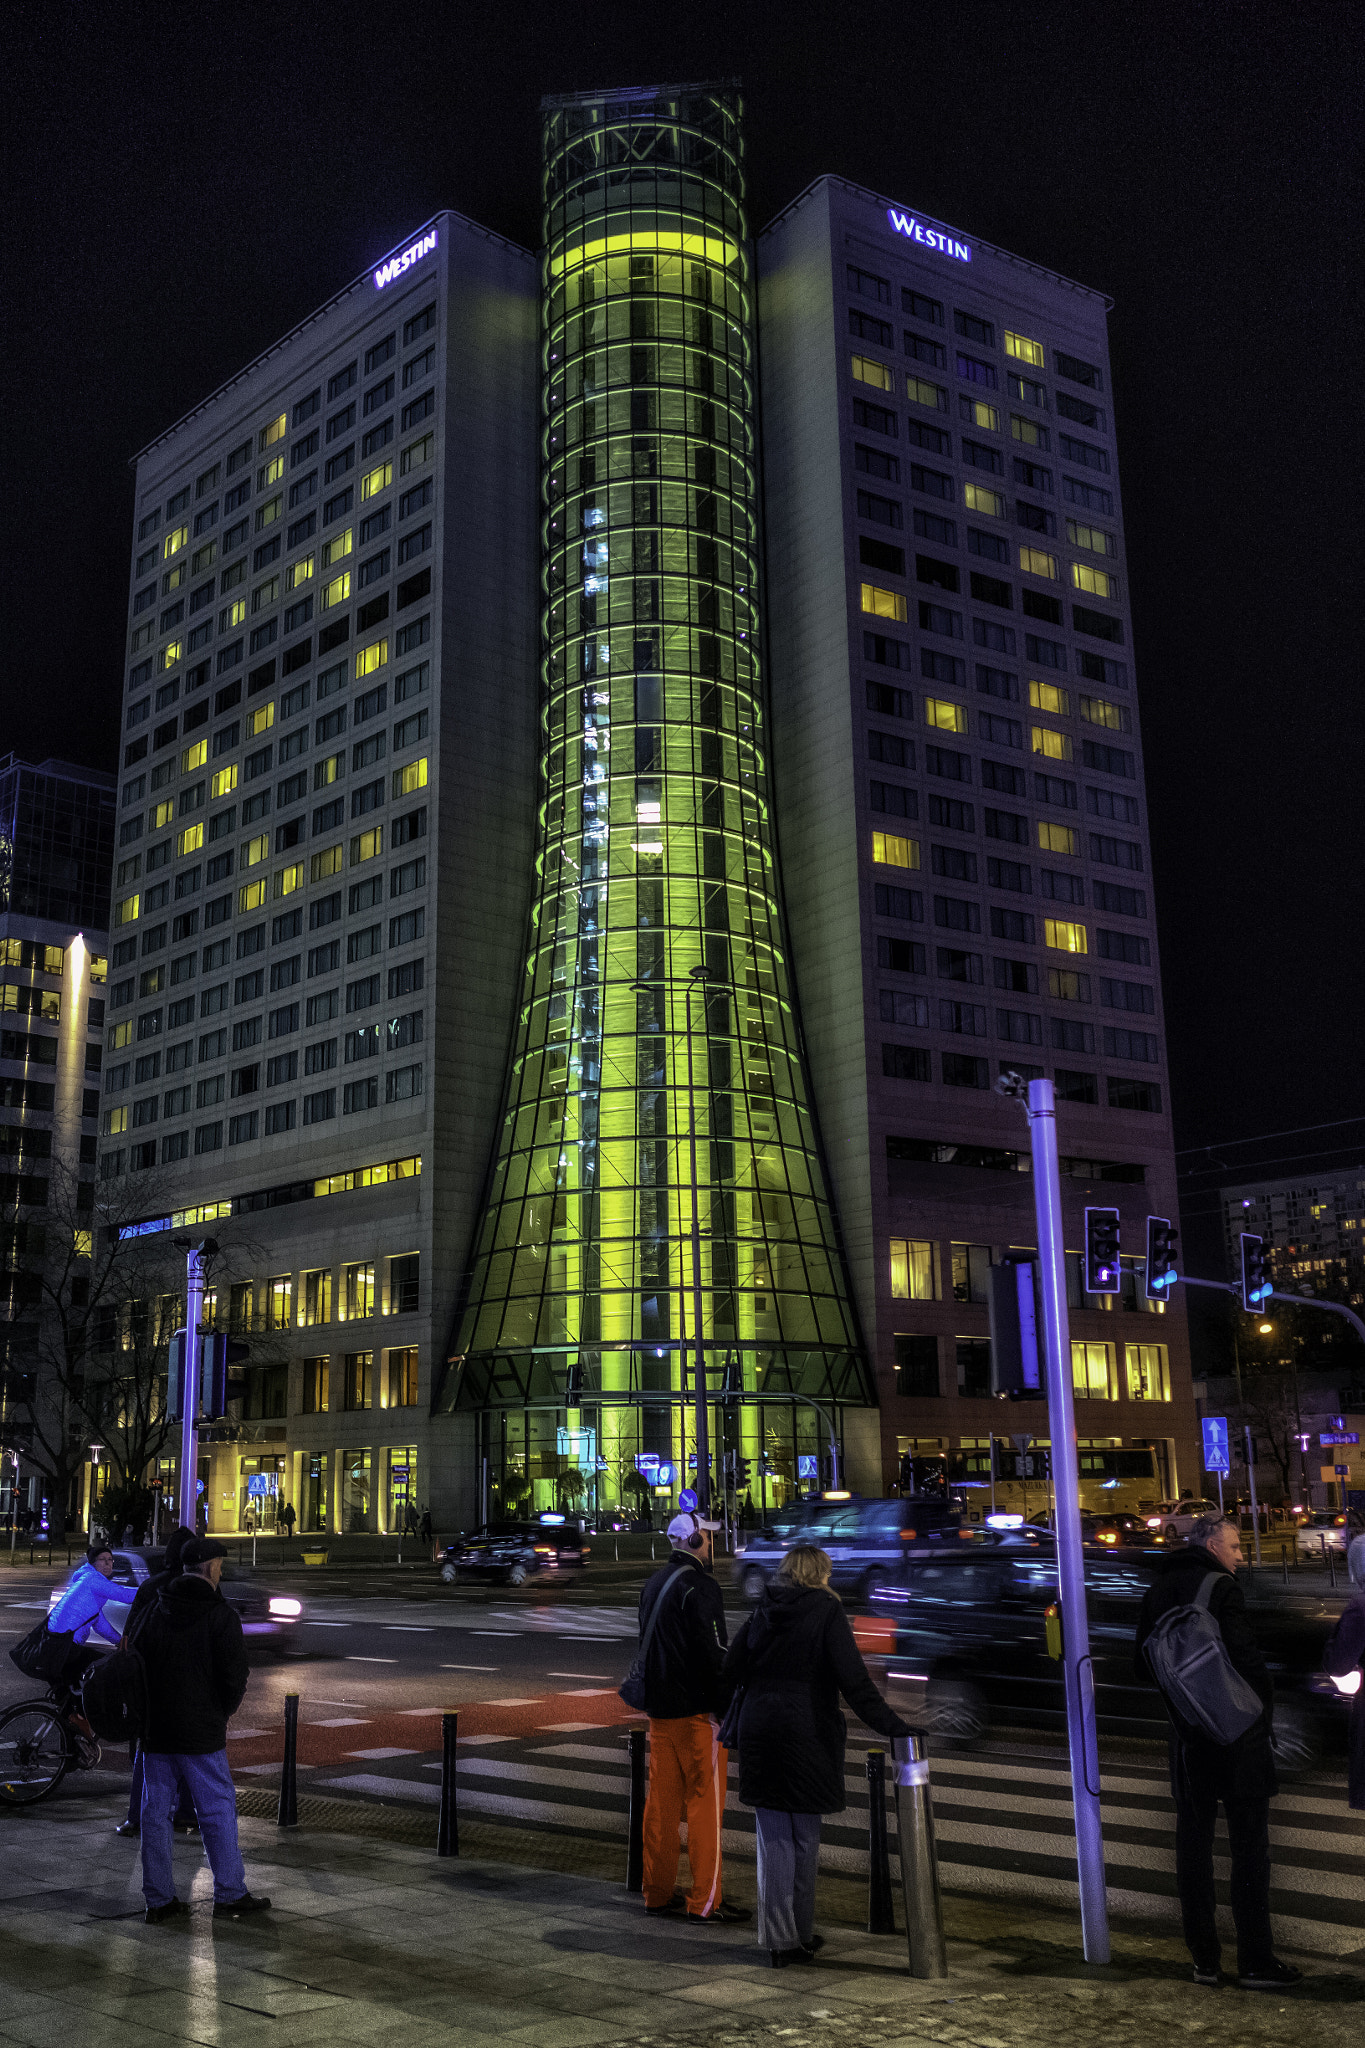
column 655, row 856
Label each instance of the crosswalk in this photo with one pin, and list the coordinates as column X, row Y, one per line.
column 1002, row 1820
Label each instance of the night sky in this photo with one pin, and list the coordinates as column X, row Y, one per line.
column 183, row 188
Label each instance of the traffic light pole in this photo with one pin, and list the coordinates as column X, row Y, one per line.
column 1078, row 1671
column 189, row 1392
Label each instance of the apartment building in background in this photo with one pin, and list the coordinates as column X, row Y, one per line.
column 325, row 807
column 1316, row 1223
column 56, row 852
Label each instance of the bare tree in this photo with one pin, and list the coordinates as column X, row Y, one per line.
column 1270, row 1406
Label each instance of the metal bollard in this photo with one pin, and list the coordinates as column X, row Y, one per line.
column 1284, row 1564
column 635, row 1832
column 288, row 1815
column 1331, row 1562
column 919, row 1859
column 881, row 1913
column 448, row 1829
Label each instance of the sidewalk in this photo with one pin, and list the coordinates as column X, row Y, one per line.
column 376, row 1940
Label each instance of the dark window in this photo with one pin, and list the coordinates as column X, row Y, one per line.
column 1015, row 925
column 886, row 652
column 1010, row 825
column 420, row 324
column 868, row 327
column 1070, row 1086
column 963, row 1070
column 937, row 618
column 880, row 554
column 1036, row 604
column 1009, row 874
column 1032, row 475
column 952, row 812
column 883, row 511
column 888, row 701
column 957, row 914
column 1035, row 517
column 953, row 863
column 935, row 439
column 1118, row 900
column 991, row 590
column 919, row 307
column 894, row 801
column 925, row 351
column 1082, row 410
column 1044, row 653
column 981, row 457
column 932, row 482
column 1055, row 789
column 1133, row 1094
column 943, row 575
column 893, row 750
column 876, row 418
column 901, row 956
column 1078, row 371
column 953, row 965
column 917, row 1368
column 905, row 1063
column 954, row 767
column 1100, row 624
column 1108, row 760
column 997, row 682
column 977, row 372
column 1093, row 496
column 930, row 526
column 1127, row 946
column 1000, row 775
column 873, row 462
column 943, row 668
column 868, row 285
column 901, row 903
column 973, row 329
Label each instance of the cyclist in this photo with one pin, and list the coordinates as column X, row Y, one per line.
column 81, row 1609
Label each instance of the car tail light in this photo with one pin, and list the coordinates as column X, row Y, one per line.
column 544, row 1550
column 285, row 1610
column 1350, row 1683
column 907, row 1535
column 1108, row 1536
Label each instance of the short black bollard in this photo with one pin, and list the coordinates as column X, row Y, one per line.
column 881, row 1913
column 1331, row 1562
column 448, row 1833
column 1284, row 1564
column 288, row 1816
column 635, row 1839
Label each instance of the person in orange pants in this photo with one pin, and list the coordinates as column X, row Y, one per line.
column 687, row 1765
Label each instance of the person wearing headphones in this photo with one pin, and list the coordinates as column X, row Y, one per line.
column 683, row 1693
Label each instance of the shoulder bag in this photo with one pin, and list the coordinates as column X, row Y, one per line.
column 632, row 1691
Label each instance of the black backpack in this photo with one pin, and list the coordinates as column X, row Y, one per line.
column 114, row 1696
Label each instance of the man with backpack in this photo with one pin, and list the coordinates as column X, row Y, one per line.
column 1194, row 1639
column 143, row 1601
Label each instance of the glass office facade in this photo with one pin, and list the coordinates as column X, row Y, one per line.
column 657, row 987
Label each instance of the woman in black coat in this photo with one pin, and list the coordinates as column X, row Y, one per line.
column 1344, row 1655
column 793, row 1657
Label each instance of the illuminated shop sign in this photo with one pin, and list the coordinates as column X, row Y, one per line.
column 932, row 238
column 396, row 265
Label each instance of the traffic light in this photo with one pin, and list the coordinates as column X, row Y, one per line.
column 743, row 1472
column 1163, row 1243
column 220, row 1353
column 1015, row 1368
column 573, row 1385
column 1258, row 1282
column 175, row 1375
column 1101, row 1251
column 732, row 1378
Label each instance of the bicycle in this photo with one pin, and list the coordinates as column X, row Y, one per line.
column 39, row 1744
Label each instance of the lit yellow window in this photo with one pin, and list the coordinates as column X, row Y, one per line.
column 868, row 370
column 912, row 1269
column 116, row 1121
column 254, row 851
column 224, row 781
column 378, row 479
column 883, row 604
column 83, row 1243
column 298, row 572
column 260, row 720
column 946, row 716
column 894, row 852
column 265, row 594
column 983, row 415
column 1063, row 936
column 171, row 652
column 1050, row 697
column 1147, row 1371
column 1037, row 562
column 1092, row 1371
column 1058, row 838
column 978, row 499
column 270, row 473
column 1097, row 581
column 126, row 912
column 121, row 1035
column 420, row 452
column 269, row 512
column 327, row 771
column 163, row 813
column 288, row 880
column 174, row 542
column 173, row 579
column 335, row 592
column 1093, row 537
column 324, row 864
column 1024, row 350
column 194, row 757
column 413, row 776
column 921, row 392
column 273, row 432
column 54, row 962
column 1099, row 711
column 1056, row 745
column 191, row 839
column 370, row 658
column 338, row 546
column 252, row 896
column 232, row 615
column 365, row 845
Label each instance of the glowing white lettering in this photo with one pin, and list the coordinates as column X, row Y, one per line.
column 396, row 265
column 931, row 238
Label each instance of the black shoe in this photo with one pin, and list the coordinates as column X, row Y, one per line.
column 128, row 1827
column 783, row 1958
column 1275, row 1976
column 726, row 1915
column 1209, row 1975
column 813, row 1942
column 172, row 1910
column 235, row 1909
column 677, row 1904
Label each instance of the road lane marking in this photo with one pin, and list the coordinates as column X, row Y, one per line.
column 246, row 1734
column 578, row 1674
column 504, row 1703
column 310, row 1623
column 342, row 1721
column 587, row 1692
column 496, row 1631
column 374, row 1756
column 424, row 1710
column 353, row 1659
column 469, row 1667
column 568, row 1727
column 408, row 1628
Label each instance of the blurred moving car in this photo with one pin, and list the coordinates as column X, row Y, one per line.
column 269, row 1620
column 867, row 1541
column 513, row 1552
column 970, row 1641
column 1327, row 1529
column 1176, row 1518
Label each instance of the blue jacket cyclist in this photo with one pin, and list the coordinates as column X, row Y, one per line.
column 81, row 1611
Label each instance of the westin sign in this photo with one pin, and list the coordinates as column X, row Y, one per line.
column 933, row 238
column 397, row 265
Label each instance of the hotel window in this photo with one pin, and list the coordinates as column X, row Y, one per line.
column 404, row 1284
column 1147, row 1372
column 946, row 716
column 978, row 499
column 1049, row 697
column 376, row 656
column 1093, row 1377
column 357, row 1293
column 359, row 1379
column 1063, row 936
column 174, row 541
column 280, row 1301
column 978, row 414
column 1024, row 350
column 1097, row 581
column 273, row 432
column 1099, row 711
column 376, row 480
column 867, row 370
column 316, row 1374
column 336, row 592
column 1035, row 562
column 890, row 850
column 1058, row 839
column 1092, row 537
column 883, row 604
column 402, row 1377
column 921, row 392
column 1056, row 746
column 315, row 1298
column 914, row 1269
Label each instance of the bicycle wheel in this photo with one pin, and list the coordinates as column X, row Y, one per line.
column 34, row 1753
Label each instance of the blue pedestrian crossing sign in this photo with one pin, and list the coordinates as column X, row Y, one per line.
column 1217, row 1457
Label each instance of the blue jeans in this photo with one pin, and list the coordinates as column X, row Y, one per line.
column 208, row 1781
column 184, row 1817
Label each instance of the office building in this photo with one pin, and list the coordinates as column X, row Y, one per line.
column 56, row 851
column 324, row 847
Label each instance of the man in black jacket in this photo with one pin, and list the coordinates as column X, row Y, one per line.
column 192, row 1647
column 1241, row 1772
column 143, row 1600
column 687, row 1765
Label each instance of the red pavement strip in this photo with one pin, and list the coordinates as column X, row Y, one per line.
column 419, row 1730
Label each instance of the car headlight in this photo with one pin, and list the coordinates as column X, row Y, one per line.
column 1349, row 1684
column 285, row 1610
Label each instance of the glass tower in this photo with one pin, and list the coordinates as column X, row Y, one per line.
column 657, row 988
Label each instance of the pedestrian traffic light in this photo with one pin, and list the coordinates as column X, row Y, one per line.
column 1015, row 1369
column 1162, row 1269
column 732, row 1378
column 1258, row 1282
column 220, row 1353
column 743, row 1472
column 1101, row 1251
column 175, row 1375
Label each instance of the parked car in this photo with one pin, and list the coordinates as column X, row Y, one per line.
column 513, row 1552
column 1175, row 1518
column 1327, row 1529
column 270, row 1621
column 970, row 1631
column 867, row 1541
